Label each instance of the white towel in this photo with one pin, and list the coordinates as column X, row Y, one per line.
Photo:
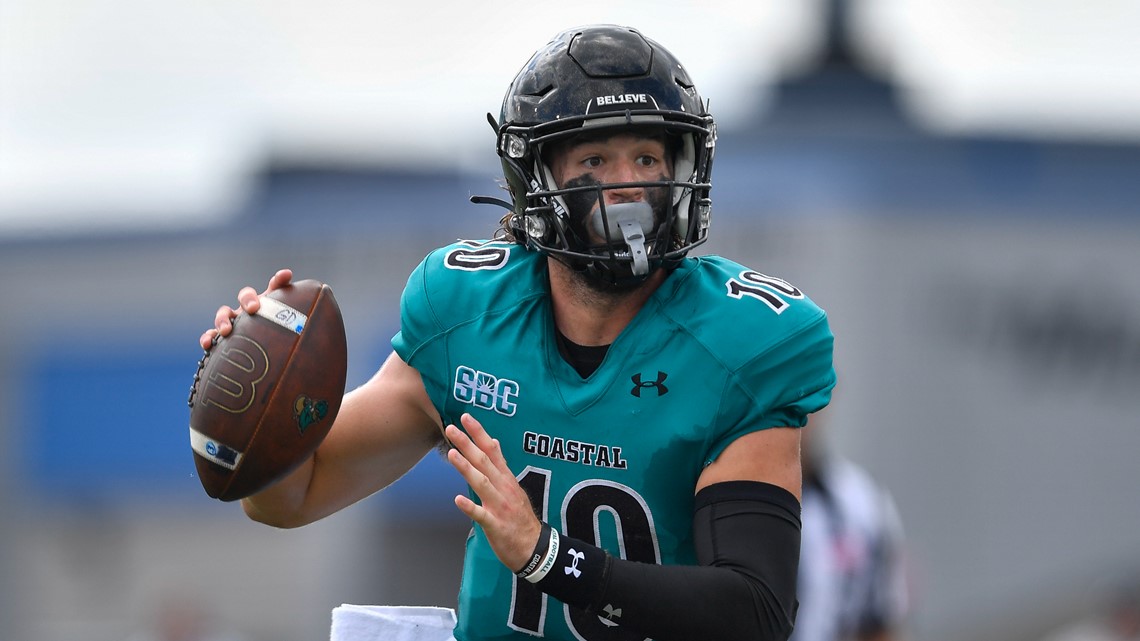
column 391, row 623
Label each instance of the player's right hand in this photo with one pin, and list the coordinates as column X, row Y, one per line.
column 249, row 301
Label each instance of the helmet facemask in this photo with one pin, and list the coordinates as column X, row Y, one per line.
column 617, row 244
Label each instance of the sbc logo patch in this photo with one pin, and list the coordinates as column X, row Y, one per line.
column 485, row 391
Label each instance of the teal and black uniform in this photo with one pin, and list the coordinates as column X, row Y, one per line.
column 717, row 352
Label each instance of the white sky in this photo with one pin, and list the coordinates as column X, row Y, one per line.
column 153, row 113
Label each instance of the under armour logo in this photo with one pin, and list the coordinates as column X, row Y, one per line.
column 609, row 613
column 573, row 569
column 638, row 385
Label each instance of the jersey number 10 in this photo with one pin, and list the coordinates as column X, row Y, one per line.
column 634, row 524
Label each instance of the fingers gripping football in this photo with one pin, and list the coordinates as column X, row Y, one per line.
column 503, row 511
column 249, row 301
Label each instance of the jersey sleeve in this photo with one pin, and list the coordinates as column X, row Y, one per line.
column 453, row 288
column 418, row 321
column 420, row 325
column 782, row 385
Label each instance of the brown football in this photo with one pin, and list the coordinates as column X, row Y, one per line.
column 266, row 395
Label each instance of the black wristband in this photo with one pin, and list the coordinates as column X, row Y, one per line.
column 540, row 550
column 579, row 573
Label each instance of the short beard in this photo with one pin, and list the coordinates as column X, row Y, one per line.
column 592, row 290
column 599, row 286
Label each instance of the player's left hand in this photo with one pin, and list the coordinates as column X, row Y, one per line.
column 504, row 511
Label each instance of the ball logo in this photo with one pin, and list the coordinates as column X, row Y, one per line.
column 239, row 366
column 306, row 411
column 225, row 456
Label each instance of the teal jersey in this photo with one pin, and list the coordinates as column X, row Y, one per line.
column 717, row 352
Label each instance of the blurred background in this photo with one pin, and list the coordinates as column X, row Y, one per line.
column 956, row 183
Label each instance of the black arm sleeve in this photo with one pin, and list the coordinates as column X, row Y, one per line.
column 747, row 539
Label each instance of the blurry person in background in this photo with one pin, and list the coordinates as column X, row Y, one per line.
column 852, row 576
column 1117, row 618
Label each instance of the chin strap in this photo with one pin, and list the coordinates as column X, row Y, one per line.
column 491, row 200
column 629, row 221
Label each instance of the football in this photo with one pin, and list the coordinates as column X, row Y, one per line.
column 265, row 396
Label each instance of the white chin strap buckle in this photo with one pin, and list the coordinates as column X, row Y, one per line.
column 627, row 222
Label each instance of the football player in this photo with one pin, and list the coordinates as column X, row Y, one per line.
column 626, row 415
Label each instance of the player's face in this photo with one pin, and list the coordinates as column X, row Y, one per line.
column 621, row 158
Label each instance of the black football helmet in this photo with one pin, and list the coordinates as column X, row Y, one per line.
column 597, row 80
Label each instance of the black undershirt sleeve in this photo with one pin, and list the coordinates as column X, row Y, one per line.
column 747, row 540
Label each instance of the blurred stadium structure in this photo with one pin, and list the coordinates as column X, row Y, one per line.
column 982, row 285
